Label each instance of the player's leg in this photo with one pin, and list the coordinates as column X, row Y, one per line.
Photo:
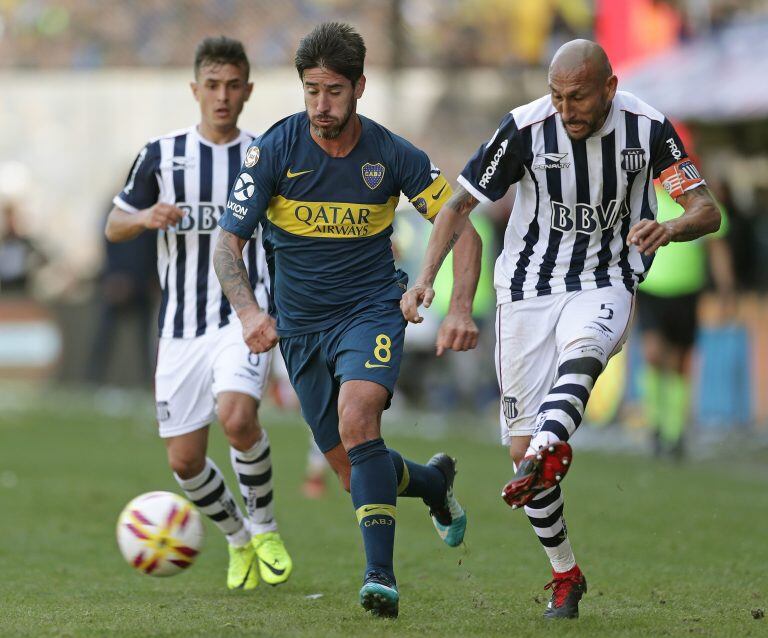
column 650, row 317
column 185, row 407
column 203, row 483
column 314, row 475
column 239, row 382
column 526, row 362
column 679, row 333
column 592, row 327
column 427, row 482
column 433, row 484
column 369, row 348
column 309, row 361
column 373, row 486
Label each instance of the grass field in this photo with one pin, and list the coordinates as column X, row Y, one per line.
column 668, row 551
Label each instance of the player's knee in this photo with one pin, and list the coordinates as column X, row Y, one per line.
column 186, row 464
column 585, row 347
column 241, row 427
column 357, row 425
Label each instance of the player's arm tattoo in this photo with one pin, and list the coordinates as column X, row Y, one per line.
column 230, row 269
column 462, row 203
column 448, row 227
column 701, row 216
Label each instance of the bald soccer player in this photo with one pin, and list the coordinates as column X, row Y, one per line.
column 581, row 236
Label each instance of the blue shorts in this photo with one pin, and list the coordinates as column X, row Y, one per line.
column 366, row 346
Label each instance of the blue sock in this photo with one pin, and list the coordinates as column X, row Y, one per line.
column 422, row 481
column 373, row 485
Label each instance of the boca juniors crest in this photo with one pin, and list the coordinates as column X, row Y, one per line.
column 633, row 159
column 373, row 174
column 420, row 204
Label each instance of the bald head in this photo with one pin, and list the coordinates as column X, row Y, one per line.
column 582, row 85
column 581, row 56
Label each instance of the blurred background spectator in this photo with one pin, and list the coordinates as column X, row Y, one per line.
column 127, row 293
column 20, row 257
column 667, row 305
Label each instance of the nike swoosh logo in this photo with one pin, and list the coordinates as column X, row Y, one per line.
column 245, row 578
column 274, row 570
column 291, row 175
column 440, row 192
column 369, row 509
column 368, row 364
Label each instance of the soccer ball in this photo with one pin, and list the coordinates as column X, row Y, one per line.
column 159, row 533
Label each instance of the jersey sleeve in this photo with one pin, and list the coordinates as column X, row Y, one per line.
column 142, row 188
column 671, row 164
column 253, row 189
column 496, row 165
column 421, row 181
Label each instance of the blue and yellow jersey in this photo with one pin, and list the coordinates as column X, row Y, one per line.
column 327, row 220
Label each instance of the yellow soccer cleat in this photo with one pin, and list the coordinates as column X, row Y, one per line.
column 242, row 572
column 275, row 565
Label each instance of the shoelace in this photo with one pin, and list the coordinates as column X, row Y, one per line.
column 561, row 587
column 378, row 577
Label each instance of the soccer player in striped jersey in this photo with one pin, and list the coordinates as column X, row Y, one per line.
column 179, row 185
column 581, row 236
column 324, row 185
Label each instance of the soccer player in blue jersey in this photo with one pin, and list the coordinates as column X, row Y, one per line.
column 178, row 185
column 324, row 185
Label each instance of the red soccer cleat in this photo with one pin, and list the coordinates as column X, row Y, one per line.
column 567, row 590
column 538, row 473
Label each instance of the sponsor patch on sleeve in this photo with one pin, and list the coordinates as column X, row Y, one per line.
column 681, row 177
column 252, row 156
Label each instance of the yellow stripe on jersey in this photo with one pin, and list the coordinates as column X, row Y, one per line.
column 405, row 481
column 331, row 219
column 375, row 509
column 429, row 201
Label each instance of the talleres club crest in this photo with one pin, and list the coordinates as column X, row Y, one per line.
column 373, row 174
column 633, row 159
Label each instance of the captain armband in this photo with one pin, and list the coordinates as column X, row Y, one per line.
column 681, row 177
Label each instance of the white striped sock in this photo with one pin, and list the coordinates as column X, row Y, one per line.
column 210, row 494
column 253, row 468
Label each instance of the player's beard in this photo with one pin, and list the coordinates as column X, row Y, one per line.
column 331, row 133
column 591, row 126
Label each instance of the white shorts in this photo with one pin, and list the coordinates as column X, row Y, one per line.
column 531, row 335
column 192, row 372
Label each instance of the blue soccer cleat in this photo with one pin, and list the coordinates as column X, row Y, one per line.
column 379, row 595
column 449, row 519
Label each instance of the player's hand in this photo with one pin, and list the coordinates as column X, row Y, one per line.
column 457, row 332
column 162, row 216
column 417, row 295
column 649, row 235
column 259, row 331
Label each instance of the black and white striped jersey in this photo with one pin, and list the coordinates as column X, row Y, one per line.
column 184, row 169
column 576, row 200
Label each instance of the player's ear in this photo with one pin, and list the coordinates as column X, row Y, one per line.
column 195, row 86
column 359, row 87
column 610, row 86
column 248, row 89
